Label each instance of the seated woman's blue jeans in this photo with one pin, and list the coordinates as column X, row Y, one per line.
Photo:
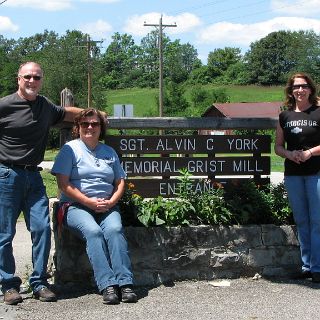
column 304, row 199
column 106, row 244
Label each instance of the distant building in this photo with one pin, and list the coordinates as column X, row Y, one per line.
column 241, row 110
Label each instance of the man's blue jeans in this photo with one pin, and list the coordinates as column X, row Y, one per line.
column 106, row 244
column 23, row 190
column 304, row 199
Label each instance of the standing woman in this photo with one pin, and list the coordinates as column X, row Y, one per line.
column 297, row 140
column 91, row 178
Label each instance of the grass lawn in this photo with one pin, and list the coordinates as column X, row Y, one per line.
column 50, row 183
column 50, row 154
column 144, row 100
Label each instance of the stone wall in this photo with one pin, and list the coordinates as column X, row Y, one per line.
column 166, row 254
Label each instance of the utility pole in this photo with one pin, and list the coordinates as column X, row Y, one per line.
column 160, row 28
column 89, row 44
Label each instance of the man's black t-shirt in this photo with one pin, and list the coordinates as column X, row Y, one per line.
column 301, row 132
column 24, row 127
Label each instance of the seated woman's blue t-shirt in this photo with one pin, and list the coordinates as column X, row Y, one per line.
column 93, row 172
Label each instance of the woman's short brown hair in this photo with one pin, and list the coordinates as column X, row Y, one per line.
column 89, row 113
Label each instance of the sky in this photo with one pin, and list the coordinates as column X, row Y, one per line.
column 207, row 25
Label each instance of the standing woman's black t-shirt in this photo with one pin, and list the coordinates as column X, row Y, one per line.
column 301, row 132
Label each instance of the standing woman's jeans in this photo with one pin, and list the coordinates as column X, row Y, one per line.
column 23, row 190
column 106, row 244
column 304, row 199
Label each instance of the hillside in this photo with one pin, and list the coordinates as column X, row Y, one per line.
column 144, row 100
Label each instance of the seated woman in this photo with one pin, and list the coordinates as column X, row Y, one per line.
column 91, row 179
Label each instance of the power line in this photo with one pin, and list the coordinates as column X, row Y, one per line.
column 249, row 14
column 235, row 8
column 3, row 2
column 199, row 6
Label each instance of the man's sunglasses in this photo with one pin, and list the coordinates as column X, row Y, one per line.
column 86, row 124
column 298, row 86
column 29, row 76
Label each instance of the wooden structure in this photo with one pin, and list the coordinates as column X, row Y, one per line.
column 241, row 110
column 152, row 164
column 209, row 159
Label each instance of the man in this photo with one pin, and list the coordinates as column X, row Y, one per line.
column 25, row 119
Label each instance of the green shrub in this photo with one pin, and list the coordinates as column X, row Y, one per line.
column 240, row 202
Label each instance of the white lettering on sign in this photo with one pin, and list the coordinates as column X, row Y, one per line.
column 243, row 144
column 171, row 189
column 145, row 167
column 201, row 166
column 182, row 144
column 131, row 144
column 210, row 144
column 246, row 166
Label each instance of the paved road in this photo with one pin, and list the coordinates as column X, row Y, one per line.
column 245, row 299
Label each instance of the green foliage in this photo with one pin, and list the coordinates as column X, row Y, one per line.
column 53, row 141
column 271, row 59
column 209, row 206
column 220, row 60
column 238, row 203
column 50, row 183
column 249, row 204
column 279, row 204
column 254, row 204
column 125, row 64
column 203, row 98
column 199, row 75
column 174, row 101
column 154, row 212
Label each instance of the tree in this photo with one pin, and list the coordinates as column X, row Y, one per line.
column 203, row 98
column 148, row 59
column 179, row 61
column 220, row 60
column 8, row 68
column 174, row 102
column 271, row 59
column 119, row 62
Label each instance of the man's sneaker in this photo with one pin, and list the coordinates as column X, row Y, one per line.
column 12, row 297
column 110, row 295
column 45, row 295
column 128, row 295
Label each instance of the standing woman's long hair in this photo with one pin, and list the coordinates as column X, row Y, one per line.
column 290, row 101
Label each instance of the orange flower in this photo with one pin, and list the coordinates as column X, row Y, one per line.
column 130, row 185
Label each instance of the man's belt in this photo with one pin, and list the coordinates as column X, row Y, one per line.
column 21, row 166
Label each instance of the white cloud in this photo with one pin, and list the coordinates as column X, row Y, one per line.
column 303, row 8
column 242, row 35
column 98, row 28
column 48, row 5
column 185, row 22
column 51, row 5
column 7, row 25
column 100, row 1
